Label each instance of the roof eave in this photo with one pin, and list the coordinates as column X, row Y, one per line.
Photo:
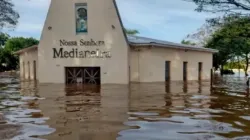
column 174, row 47
column 25, row 50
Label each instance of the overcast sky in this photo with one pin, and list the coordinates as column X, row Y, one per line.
column 169, row 20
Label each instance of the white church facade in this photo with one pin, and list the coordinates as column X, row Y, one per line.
column 83, row 41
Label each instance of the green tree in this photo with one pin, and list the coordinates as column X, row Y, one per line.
column 8, row 61
column 131, row 31
column 17, row 43
column 2, row 59
column 225, row 6
column 3, row 38
column 232, row 40
column 235, row 65
column 8, row 16
column 228, row 7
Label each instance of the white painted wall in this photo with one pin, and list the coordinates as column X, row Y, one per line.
column 101, row 16
column 26, row 70
column 134, row 66
column 147, row 65
column 151, row 64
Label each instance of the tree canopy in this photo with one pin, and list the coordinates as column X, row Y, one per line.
column 8, row 16
column 8, row 61
column 205, row 32
column 225, row 6
column 231, row 39
column 3, row 38
column 17, row 43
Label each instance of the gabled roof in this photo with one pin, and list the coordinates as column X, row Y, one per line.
column 143, row 41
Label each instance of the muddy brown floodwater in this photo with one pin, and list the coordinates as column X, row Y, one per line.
column 154, row 111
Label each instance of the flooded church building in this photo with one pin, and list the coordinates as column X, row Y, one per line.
column 83, row 41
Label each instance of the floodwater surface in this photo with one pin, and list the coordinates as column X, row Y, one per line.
column 153, row 111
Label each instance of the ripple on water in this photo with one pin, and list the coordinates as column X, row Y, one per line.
column 22, row 122
column 21, row 115
column 239, row 123
column 205, row 116
column 13, row 85
column 143, row 113
column 245, row 117
column 165, row 131
column 188, row 110
column 152, row 115
column 29, row 131
column 31, row 120
column 11, row 91
column 202, row 97
column 242, row 138
column 11, row 103
column 176, row 127
column 24, row 98
column 209, row 110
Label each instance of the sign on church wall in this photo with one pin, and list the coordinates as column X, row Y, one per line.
column 80, row 49
column 81, row 16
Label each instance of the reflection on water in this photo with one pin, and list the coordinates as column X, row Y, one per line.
column 20, row 115
column 152, row 111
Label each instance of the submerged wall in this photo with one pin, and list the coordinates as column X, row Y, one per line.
column 72, row 38
column 28, row 64
column 148, row 64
